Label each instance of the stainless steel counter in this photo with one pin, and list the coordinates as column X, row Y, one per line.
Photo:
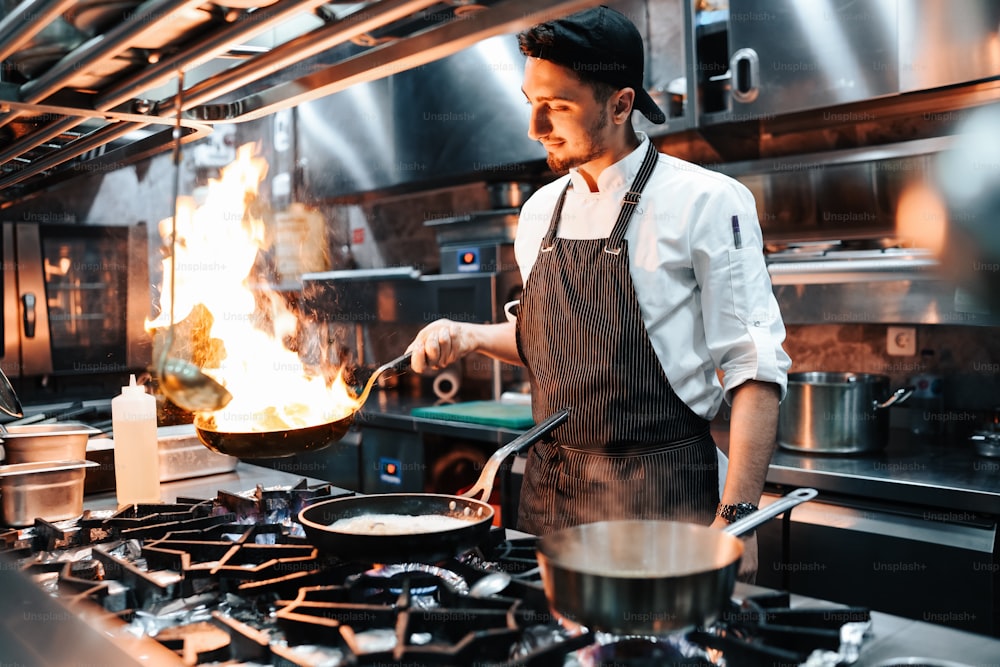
column 245, row 477
column 949, row 477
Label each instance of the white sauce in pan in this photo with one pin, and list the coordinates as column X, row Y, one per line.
column 397, row 524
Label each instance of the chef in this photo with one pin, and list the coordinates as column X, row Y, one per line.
column 646, row 304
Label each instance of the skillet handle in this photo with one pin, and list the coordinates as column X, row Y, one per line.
column 484, row 484
column 787, row 502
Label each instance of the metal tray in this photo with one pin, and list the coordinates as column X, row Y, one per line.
column 48, row 490
column 35, row 443
column 182, row 456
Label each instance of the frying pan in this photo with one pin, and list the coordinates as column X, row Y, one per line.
column 424, row 545
column 271, row 444
column 285, row 442
column 647, row 577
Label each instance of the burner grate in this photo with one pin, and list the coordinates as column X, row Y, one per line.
column 233, row 579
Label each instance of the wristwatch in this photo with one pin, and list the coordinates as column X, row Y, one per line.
column 735, row 512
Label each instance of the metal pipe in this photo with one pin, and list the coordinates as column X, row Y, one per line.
column 37, row 138
column 141, row 20
column 203, row 50
column 392, row 58
column 296, row 50
column 27, row 20
column 78, row 147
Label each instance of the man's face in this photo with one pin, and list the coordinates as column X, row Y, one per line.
column 566, row 119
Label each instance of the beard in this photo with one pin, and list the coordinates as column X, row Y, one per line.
column 560, row 164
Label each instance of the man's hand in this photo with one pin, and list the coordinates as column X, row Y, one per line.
column 748, row 564
column 443, row 342
column 437, row 345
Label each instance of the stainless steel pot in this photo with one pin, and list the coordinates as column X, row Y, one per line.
column 647, row 577
column 837, row 413
column 509, row 195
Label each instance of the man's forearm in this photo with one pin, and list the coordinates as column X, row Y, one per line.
column 752, row 429
column 498, row 341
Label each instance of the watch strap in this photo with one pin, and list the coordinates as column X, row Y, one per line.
column 736, row 511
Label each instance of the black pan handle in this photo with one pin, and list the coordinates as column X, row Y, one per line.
column 485, row 482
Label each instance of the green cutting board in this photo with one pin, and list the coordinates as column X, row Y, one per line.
column 491, row 413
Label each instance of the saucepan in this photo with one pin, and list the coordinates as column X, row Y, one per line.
column 424, row 540
column 647, row 577
column 837, row 413
column 286, row 442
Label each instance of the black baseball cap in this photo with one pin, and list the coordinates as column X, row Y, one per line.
column 603, row 44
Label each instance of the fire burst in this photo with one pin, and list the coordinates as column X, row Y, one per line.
column 236, row 326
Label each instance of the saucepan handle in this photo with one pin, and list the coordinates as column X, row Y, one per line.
column 484, row 484
column 779, row 506
column 898, row 396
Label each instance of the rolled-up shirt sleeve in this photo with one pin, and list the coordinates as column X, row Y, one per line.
column 743, row 326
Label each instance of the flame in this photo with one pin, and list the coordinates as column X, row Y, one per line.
column 237, row 324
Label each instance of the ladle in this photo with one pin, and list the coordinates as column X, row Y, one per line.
column 183, row 382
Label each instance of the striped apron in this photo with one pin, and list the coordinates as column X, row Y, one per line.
column 630, row 448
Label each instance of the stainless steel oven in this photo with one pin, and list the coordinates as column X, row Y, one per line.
column 75, row 299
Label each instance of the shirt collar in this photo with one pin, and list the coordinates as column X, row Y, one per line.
column 618, row 175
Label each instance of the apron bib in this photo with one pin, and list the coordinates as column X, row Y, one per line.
column 631, row 448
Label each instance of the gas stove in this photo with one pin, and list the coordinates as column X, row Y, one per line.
column 233, row 580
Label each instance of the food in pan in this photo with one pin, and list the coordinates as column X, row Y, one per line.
column 397, row 524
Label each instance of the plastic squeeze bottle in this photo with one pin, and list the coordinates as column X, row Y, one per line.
column 137, row 450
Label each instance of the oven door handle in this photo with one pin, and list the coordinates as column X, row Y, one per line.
column 28, row 301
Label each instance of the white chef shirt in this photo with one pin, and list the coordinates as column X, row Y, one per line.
column 706, row 303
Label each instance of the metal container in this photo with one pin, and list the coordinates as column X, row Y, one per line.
column 837, row 413
column 35, row 443
column 509, row 194
column 182, row 456
column 52, row 491
column 986, row 443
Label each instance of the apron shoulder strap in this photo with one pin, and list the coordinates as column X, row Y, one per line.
column 629, row 203
column 550, row 235
column 631, row 200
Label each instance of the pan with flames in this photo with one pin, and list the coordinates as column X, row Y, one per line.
column 236, row 326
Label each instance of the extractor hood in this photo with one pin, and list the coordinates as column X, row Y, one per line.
column 92, row 85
